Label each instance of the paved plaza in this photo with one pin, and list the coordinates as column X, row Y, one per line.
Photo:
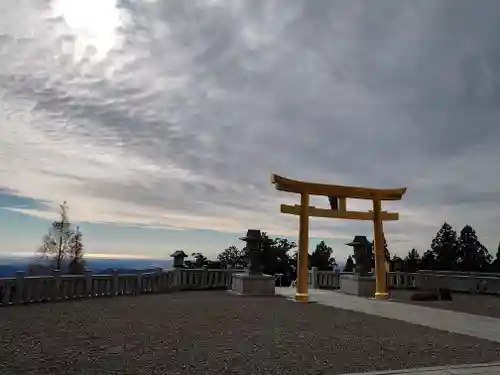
column 455, row 322
column 214, row 332
column 479, row 326
column 483, row 369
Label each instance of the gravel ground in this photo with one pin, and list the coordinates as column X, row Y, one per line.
column 488, row 305
column 217, row 333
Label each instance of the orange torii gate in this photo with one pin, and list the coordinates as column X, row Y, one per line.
column 338, row 196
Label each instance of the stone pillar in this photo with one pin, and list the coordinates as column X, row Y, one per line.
column 88, row 283
column 314, row 276
column 114, row 283
column 56, row 277
column 19, row 287
column 139, row 283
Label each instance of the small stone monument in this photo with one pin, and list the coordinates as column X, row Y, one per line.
column 179, row 256
column 252, row 282
column 362, row 281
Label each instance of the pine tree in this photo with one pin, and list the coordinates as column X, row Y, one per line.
column 428, row 261
column 412, row 261
column 55, row 245
column 387, row 254
column 445, row 248
column 386, row 251
column 349, row 264
column 473, row 255
column 495, row 266
column 322, row 257
column 75, row 252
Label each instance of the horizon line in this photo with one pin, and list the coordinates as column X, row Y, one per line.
column 87, row 255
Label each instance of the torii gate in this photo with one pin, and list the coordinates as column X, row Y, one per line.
column 338, row 196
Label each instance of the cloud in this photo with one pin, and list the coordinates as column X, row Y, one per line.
column 169, row 113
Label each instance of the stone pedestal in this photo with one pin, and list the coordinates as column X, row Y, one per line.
column 245, row 284
column 363, row 286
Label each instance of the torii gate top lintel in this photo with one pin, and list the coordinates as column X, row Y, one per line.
column 355, row 192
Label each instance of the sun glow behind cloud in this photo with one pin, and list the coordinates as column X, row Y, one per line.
column 94, row 24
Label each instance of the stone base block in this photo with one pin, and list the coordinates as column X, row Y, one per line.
column 252, row 285
column 363, row 286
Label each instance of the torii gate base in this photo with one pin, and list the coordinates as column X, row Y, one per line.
column 338, row 196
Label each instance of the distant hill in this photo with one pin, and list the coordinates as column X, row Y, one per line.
column 10, row 265
column 9, row 270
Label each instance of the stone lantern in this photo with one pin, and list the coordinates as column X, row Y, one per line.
column 253, row 282
column 362, row 254
column 362, row 281
column 253, row 240
column 178, row 257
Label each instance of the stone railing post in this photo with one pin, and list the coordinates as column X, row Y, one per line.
column 88, row 283
column 314, row 276
column 139, row 283
column 19, row 287
column 56, row 278
column 178, row 278
column 229, row 279
column 114, row 283
column 204, row 279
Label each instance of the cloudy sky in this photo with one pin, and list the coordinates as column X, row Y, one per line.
column 160, row 122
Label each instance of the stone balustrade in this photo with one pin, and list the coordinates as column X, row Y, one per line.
column 323, row 279
column 34, row 289
column 468, row 282
column 401, row 280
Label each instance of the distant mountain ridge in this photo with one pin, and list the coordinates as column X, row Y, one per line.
column 10, row 265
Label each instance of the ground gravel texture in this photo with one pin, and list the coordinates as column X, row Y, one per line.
column 217, row 333
column 478, row 304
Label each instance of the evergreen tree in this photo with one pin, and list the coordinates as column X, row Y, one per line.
column 274, row 254
column 295, row 259
column 322, row 257
column 386, row 251
column 412, row 261
column 371, row 249
column 445, row 248
column 55, row 247
column 397, row 264
column 75, row 252
column 232, row 257
column 349, row 264
column 473, row 255
column 495, row 266
column 428, row 261
column 199, row 260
